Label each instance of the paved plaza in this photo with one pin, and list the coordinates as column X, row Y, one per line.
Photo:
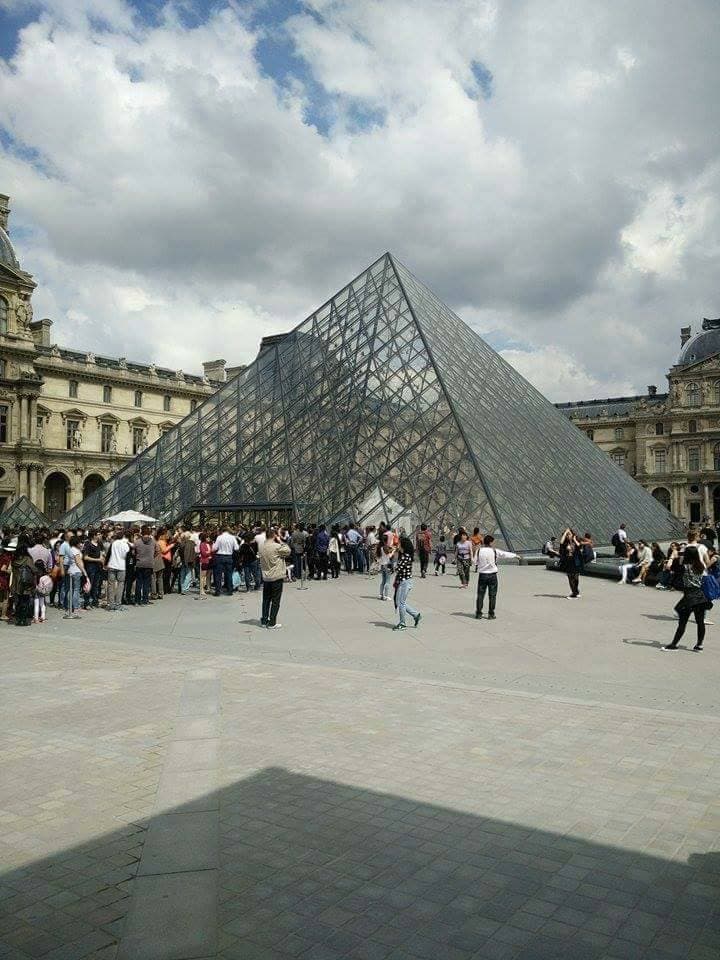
column 178, row 783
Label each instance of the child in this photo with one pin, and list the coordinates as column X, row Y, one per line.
column 42, row 591
column 440, row 556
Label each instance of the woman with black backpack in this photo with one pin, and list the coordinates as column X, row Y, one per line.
column 24, row 581
column 693, row 600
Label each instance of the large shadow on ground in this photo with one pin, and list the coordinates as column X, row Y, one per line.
column 303, row 867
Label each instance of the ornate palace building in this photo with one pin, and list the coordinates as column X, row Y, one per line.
column 670, row 442
column 69, row 419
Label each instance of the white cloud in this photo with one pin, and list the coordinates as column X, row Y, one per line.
column 176, row 203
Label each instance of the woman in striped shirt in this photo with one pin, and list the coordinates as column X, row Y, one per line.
column 404, row 584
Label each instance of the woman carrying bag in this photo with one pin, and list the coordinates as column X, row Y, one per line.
column 693, row 601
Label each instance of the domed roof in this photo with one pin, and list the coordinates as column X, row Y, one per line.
column 703, row 345
column 7, row 254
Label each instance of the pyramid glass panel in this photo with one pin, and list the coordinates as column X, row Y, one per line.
column 23, row 513
column 384, row 403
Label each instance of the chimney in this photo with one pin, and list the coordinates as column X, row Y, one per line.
column 684, row 335
column 214, row 370
column 4, row 210
column 652, row 390
column 232, row 372
column 40, row 331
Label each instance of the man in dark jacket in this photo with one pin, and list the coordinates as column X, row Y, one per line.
column 322, row 542
column 144, row 560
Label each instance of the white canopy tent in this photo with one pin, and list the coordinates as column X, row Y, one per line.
column 130, row 516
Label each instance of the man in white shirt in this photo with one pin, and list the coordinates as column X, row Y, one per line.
column 620, row 540
column 224, row 547
column 116, row 566
column 486, row 558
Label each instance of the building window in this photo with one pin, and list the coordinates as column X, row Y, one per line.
column 659, row 429
column 107, row 394
column 3, row 315
column 73, row 388
column 4, row 423
column 693, row 459
column 618, row 457
column 166, row 402
column 660, row 461
column 71, row 437
column 40, row 426
column 619, row 433
column 716, row 393
column 692, row 426
column 107, row 432
column 138, row 398
column 138, row 439
column 3, row 369
column 692, row 394
column 716, row 457
column 193, row 408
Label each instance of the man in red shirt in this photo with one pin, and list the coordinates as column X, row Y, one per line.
column 423, row 542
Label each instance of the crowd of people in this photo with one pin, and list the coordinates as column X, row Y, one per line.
column 116, row 567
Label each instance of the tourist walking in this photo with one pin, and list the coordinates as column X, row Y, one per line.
column 571, row 561
column 693, row 601
column 486, row 558
column 404, row 584
column 423, row 541
column 463, row 557
column 272, row 555
column 440, row 556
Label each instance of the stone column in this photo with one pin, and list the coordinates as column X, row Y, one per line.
column 706, row 494
column 21, row 480
column 33, row 480
column 32, row 418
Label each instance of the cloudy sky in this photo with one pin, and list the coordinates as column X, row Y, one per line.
column 189, row 177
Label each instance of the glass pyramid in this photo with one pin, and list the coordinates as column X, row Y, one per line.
column 384, row 403
column 23, row 513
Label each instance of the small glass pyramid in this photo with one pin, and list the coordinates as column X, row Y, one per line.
column 23, row 513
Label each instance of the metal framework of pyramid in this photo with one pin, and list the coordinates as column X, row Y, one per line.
column 23, row 513
column 384, row 401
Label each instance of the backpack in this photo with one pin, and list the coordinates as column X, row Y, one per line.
column 45, row 585
column 710, row 587
column 615, row 540
column 588, row 554
column 544, row 549
column 25, row 579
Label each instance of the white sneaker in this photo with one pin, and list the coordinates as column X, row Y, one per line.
column 277, row 626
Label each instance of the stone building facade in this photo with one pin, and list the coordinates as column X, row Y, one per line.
column 69, row 419
column 670, row 442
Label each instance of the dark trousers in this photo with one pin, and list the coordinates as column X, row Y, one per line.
column 424, row 557
column 143, row 577
column 684, row 615
column 574, row 581
column 311, row 563
column 297, row 565
column 129, row 582
column 334, row 566
column 349, row 557
column 486, row 582
column 272, row 592
column 95, row 574
column 322, row 566
column 223, row 573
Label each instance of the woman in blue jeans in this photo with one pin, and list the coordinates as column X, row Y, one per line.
column 404, row 584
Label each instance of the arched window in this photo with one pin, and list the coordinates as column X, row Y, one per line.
column 716, row 457
column 662, row 496
column 692, row 394
column 619, row 433
column 3, row 315
column 716, row 393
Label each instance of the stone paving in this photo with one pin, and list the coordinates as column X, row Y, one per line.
column 178, row 783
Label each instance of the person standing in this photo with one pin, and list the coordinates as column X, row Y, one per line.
column 322, row 544
column 298, row 541
column 486, row 558
column 463, row 555
column 144, row 546
column 334, row 552
column 205, row 555
column 619, row 539
column 571, row 561
column 423, row 542
column 74, row 571
column 92, row 558
column 116, row 565
column 272, row 562
column 224, row 548
column 693, row 601
column 24, row 582
column 386, row 556
column 186, row 550
column 404, row 584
